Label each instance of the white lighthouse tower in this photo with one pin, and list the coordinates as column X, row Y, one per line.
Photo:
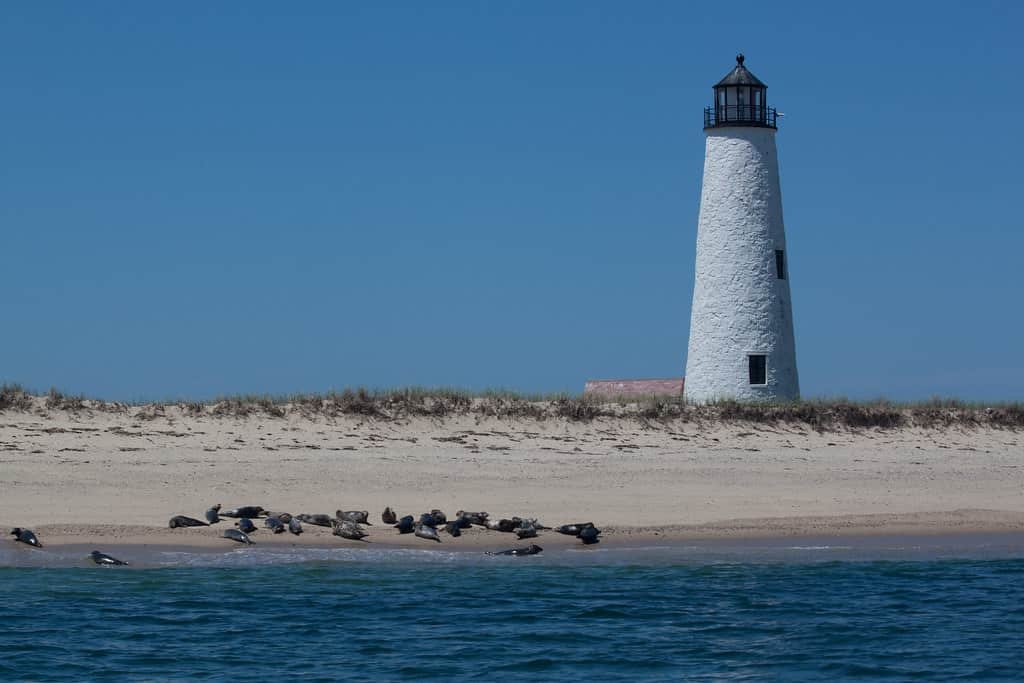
column 741, row 325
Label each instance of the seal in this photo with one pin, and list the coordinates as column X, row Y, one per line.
column 506, row 525
column 25, row 536
column 519, row 552
column 249, row 511
column 274, row 524
column 526, row 530
column 478, row 518
column 349, row 530
column 589, row 534
column 105, row 560
column 295, row 526
column 357, row 516
column 182, row 521
column 316, row 520
column 236, row 535
column 453, row 528
column 405, row 525
column 440, row 519
column 213, row 514
column 245, row 525
column 388, row 516
column 427, row 532
column 573, row 529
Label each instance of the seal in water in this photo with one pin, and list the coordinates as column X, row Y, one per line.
column 349, row 530
column 316, row 520
column 236, row 535
column 182, row 520
column 478, row 518
column 274, row 524
column 213, row 514
column 105, row 560
column 589, row 534
column 427, row 532
column 246, row 525
column 249, row 511
column 519, row 552
column 25, row 536
column 453, row 528
column 357, row 516
column 388, row 516
column 573, row 529
column 405, row 525
column 295, row 526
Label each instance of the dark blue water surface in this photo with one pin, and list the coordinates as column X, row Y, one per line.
column 459, row 616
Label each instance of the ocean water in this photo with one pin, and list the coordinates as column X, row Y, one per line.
column 662, row 614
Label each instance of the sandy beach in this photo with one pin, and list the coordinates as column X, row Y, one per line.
column 115, row 477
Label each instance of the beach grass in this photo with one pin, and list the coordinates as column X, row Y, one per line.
column 405, row 402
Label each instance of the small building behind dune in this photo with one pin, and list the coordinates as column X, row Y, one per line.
column 672, row 386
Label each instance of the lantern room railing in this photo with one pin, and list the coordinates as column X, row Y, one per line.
column 740, row 115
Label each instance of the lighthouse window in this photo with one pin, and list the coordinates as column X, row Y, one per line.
column 780, row 263
column 758, row 368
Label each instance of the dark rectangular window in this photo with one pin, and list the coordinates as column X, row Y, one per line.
column 780, row 263
column 758, row 368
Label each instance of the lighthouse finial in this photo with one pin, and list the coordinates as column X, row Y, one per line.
column 740, row 58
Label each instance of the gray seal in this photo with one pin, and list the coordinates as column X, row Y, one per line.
column 357, row 516
column 349, row 530
column 236, row 535
column 274, row 524
column 316, row 520
column 246, row 525
column 183, row 521
column 526, row 531
column 213, row 514
column 25, row 536
column 589, row 535
column 405, row 525
column 427, row 532
column 295, row 526
column 573, row 529
column 520, row 552
column 388, row 516
column 453, row 529
column 249, row 511
column 478, row 518
column 105, row 560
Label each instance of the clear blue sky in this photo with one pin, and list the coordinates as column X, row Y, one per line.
column 208, row 198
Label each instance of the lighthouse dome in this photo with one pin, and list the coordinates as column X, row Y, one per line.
column 741, row 99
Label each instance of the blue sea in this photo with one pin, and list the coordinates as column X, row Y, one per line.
column 705, row 612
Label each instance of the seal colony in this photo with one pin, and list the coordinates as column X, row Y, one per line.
column 350, row 525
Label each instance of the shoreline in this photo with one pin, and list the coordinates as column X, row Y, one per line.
column 948, row 525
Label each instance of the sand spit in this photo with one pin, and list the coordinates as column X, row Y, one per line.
column 119, row 475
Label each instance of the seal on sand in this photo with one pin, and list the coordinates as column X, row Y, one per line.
column 427, row 532
column 295, row 526
column 213, row 514
column 349, row 530
column 236, row 535
column 26, row 536
column 249, row 511
column 388, row 516
column 589, row 535
column 405, row 525
column 453, row 528
column 316, row 520
column 274, row 524
column 105, row 560
column 573, row 529
column 357, row 516
column 478, row 518
column 245, row 525
column 182, row 520
column 519, row 552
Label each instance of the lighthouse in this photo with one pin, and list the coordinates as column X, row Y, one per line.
column 741, row 324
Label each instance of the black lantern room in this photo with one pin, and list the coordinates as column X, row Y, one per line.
column 740, row 101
